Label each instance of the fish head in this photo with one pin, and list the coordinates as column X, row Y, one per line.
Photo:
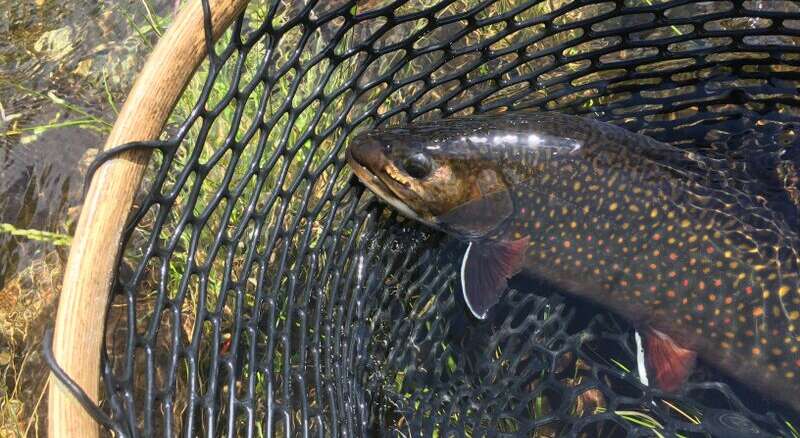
column 442, row 181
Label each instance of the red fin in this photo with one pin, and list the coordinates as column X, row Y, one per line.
column 486, row 269
column 670, row 363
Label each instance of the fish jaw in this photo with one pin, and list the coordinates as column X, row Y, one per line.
column 384, row 191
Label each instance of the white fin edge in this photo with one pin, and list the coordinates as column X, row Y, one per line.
column 640, row 365
column 464, row 285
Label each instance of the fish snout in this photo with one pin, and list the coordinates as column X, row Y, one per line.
column 367, row 152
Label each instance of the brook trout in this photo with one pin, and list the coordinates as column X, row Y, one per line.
column 657, row 234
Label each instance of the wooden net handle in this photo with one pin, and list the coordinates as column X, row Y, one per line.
column 88, row 276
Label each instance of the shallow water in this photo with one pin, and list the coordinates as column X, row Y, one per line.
column 64, row 69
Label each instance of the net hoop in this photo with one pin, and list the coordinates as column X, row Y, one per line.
column 89, row 273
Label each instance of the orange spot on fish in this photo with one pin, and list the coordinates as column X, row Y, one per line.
column 673, row 256
column 657, row 236
column 728, row 300
column 758, row 311
column 671, row 293
column 712, row 297
column 710, row 250
column 653, row 266
column 567, row 244
column 702, row 285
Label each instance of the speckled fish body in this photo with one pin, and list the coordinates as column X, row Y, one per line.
column 659, row 235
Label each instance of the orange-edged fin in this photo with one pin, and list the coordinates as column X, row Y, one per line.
column 485, row 271
column 668, row 363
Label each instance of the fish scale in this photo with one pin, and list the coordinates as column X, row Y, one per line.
column 675, row 241
column 666, row 237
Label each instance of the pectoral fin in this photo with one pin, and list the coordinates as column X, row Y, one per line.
column 485, row 271
column 668, row 363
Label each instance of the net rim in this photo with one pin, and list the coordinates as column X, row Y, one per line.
column 96, row 244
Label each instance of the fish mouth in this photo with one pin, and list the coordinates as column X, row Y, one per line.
column 380, row 187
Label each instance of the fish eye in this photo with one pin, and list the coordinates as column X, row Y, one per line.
column 418, row 165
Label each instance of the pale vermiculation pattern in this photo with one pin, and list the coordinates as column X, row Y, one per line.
column 660, row 235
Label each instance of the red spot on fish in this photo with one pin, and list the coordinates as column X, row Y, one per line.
column 673, row 256
column 589, row 238
column 717, row 282
column 522, row 210
column 671, row 293
column 749, row 290
column 710, row 250
column 685, row 283
column 726, row 320
column 653, row 266
column 699, row 307
column 652, row 288
column 657, row 236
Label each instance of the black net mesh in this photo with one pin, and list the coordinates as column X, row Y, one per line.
column 263, row 292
